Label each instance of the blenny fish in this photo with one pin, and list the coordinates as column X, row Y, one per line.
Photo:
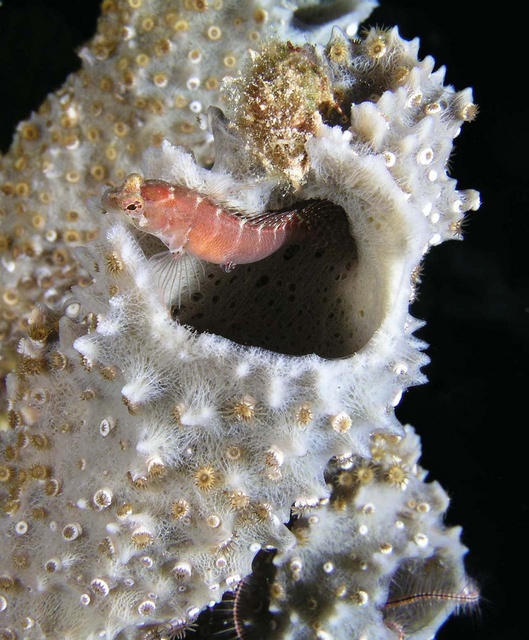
column 189, row 222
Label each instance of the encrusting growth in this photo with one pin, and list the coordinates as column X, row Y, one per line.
column 284, row 78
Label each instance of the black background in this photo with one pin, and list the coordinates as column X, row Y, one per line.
column 472, row 415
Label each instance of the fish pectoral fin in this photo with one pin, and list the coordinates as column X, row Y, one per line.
column 176, row 275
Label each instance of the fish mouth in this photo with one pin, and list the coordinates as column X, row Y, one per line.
column 108, row 200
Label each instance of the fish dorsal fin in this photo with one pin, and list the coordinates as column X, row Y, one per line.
column 319, row 221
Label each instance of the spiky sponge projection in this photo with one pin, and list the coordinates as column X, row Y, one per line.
column 154, row 450
column 376, row 561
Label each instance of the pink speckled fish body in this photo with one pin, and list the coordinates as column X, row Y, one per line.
column 187, row 221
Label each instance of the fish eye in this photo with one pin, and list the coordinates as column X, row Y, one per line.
column 134, row 205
